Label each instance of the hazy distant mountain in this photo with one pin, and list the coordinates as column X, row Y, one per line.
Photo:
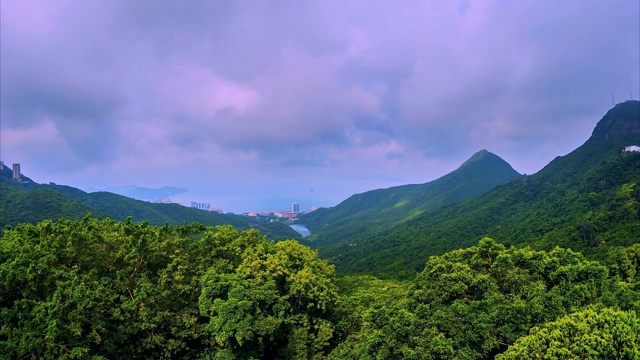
column 587, row 200
column 32, row 202
column 373, row 211
column 141, row 193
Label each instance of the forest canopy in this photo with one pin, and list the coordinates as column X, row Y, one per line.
column 109, row 289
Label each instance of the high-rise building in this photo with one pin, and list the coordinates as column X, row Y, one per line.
column 295, row 208
column 16, row 172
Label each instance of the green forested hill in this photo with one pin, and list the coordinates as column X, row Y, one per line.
column 32, row 202
column 369, row 213
column 18, row 206
column 586, row 200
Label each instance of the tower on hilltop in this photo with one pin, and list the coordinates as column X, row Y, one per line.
column 16, row 172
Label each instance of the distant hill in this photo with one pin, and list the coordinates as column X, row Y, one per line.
column 369, row 213
column 587, row 200
column 142, row 193
column 31, row 202
column 20, row 206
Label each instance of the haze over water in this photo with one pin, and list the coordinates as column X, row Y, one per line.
column 301, row 229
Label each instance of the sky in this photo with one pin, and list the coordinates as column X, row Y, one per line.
column 253, row 105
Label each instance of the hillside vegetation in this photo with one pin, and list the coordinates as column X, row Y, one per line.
column 19, row 206
column 372, row 212
column 31, row 202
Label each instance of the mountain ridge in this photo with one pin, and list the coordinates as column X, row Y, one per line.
column 52, row 201
column 586, row 200
column 141, row 193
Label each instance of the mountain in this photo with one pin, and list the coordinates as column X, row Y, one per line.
column 369, row 213
column 588, row 200
column 142, row 193
column 31, row 202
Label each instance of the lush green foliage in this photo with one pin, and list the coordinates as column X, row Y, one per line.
column 474, row 303
column 588, row 334
column 107, row 289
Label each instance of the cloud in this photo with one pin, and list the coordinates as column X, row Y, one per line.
column 369, row 92
column 509, row 73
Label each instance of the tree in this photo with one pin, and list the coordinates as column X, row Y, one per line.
column 277, row 302
column 587, row 334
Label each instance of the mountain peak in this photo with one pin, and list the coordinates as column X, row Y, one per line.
column 486, row 159
column 482, row 152
column 622, row 121
column 480, row 155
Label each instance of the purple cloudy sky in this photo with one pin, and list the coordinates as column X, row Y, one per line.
column 252, row 105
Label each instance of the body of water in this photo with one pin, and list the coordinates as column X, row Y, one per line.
column 301, row 229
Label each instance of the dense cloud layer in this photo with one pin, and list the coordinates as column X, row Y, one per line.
column 249, row 104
